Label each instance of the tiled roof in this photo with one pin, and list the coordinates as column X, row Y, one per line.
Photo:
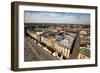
column 67, row 41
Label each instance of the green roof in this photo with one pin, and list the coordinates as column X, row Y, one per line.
column 85, row 52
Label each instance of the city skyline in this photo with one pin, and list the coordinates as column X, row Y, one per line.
column 56, row 17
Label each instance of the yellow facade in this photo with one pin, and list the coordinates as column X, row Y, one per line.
column 47, row 41
column 61, row 49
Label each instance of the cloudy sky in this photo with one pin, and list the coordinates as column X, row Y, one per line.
column 56, row 17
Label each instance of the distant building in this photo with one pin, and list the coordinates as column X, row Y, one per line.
column 83, row 32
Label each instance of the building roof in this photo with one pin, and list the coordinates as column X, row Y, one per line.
column 67, row 41
column 59, row 38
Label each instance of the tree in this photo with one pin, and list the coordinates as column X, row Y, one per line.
column 64, row 57
column 51, row 49
column 59, row 54
column 44, row 45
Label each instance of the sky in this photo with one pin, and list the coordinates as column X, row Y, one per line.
column 56, row 17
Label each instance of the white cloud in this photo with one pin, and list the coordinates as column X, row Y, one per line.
column 51, row 17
